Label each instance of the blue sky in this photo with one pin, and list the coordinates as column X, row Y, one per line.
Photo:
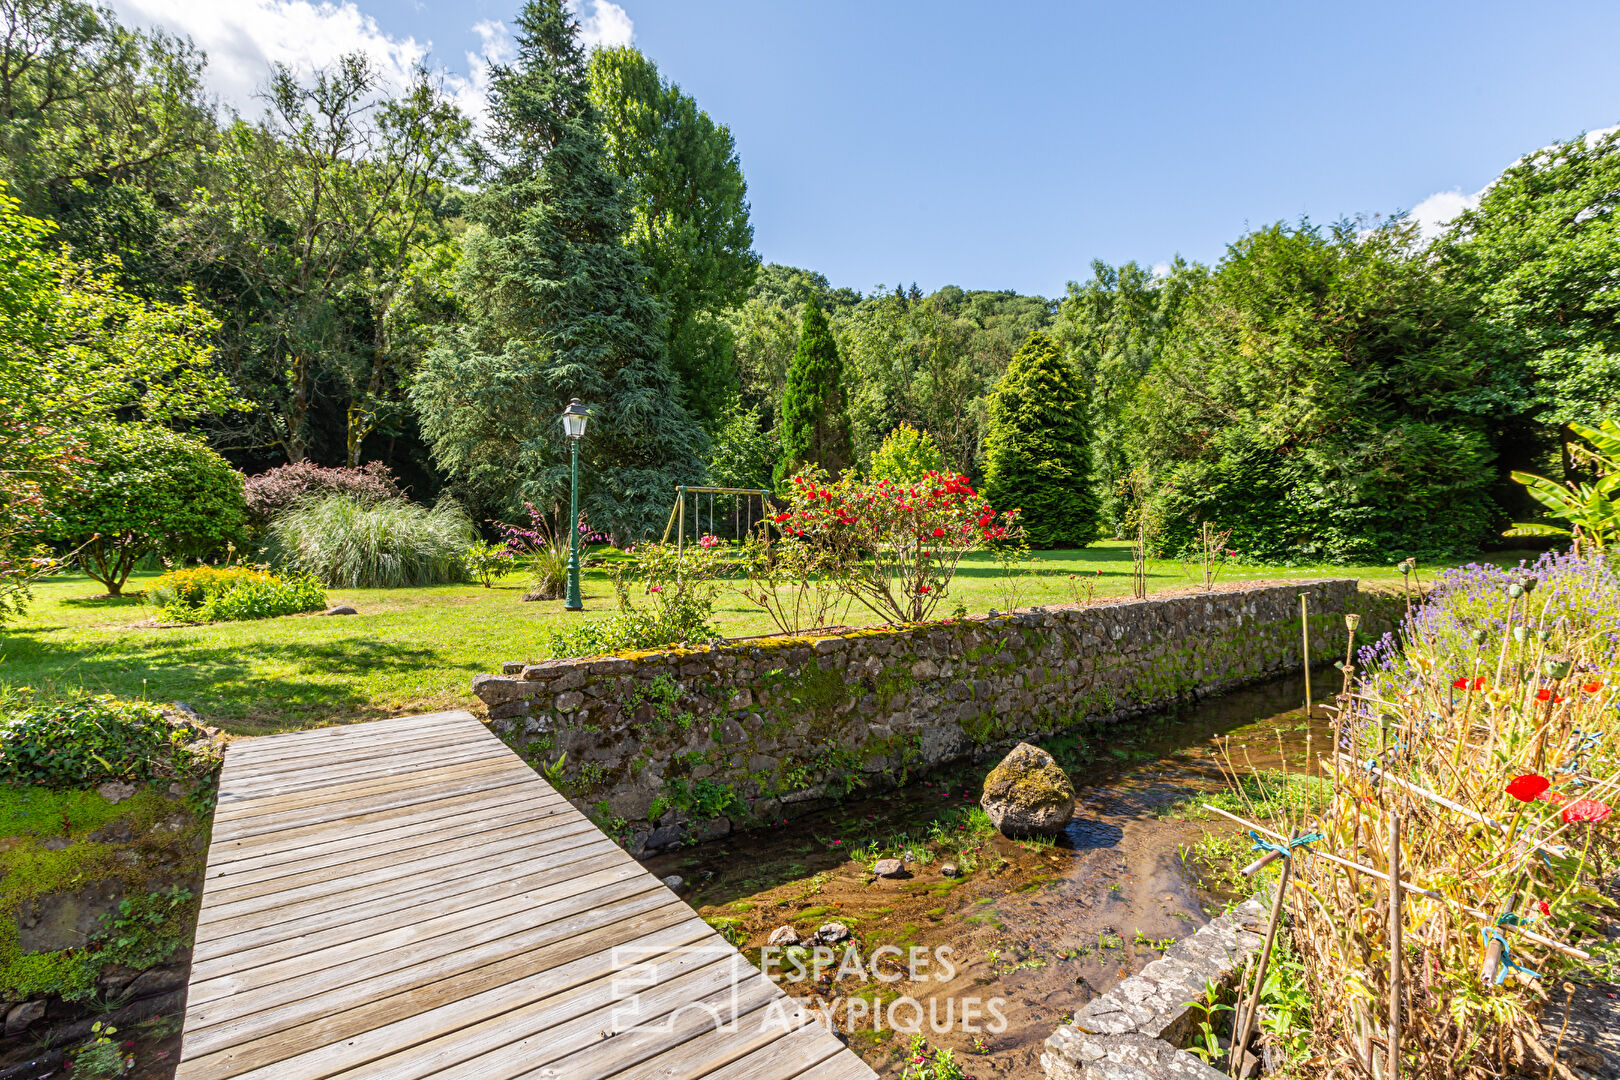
column 1006, row 146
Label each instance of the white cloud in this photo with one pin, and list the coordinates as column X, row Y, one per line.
column 1438, row 210
column 1161, row 269
column 607, row 25
column 243, row 38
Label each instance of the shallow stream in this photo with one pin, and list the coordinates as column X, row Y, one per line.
column 1034, row 930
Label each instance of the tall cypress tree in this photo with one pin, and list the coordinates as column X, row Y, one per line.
column 558, row 310
column 1037, row 451
column 815, row 423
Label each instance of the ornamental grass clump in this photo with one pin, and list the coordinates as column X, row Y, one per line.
column 1489, row 727
column 388, row 544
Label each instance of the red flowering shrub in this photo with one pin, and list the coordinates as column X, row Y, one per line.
column 895, row 545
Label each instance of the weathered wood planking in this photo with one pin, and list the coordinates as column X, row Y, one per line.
column 406, row 899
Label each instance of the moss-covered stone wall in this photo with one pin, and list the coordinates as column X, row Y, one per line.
column 690, row 743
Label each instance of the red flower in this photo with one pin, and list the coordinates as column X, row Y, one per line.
column 924, row 590
column 938, row 533
column 1528, row 787
column 1461, row 684
column 1548, row 695
column 1553, row 797
column 1592, row 687
column 1545, row 910
column 1465, row 683
column 1586, row 810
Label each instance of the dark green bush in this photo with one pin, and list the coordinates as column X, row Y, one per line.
column 145, row 489
column 84, row 741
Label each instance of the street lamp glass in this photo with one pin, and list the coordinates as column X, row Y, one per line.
column 574, row 418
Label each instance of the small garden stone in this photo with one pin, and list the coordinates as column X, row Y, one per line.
column 832, row 932
column 783, row 935
column 888, row 868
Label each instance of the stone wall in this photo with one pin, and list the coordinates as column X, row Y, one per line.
column 690, row 743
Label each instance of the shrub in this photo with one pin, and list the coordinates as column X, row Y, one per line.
column 679, row 590
column 146, row 489
column 275, row 491
column 486, row 562
column 905, row 456
column 84, row 741
column 228, row 593
column 391, row 544
column 1037, row 451
column 892, row 547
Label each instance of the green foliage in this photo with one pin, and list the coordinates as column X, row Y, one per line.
column 742, row 453
column 679, row 598
column 145, row 930
column 82, row 741
column 101, row 1058
column 815, row 424
column 557, row 310
column 226, row 593
column 905, row 456
column 923, row 1062
column 1315, row 398
column 485, row 562
column 381, row 545
column 1114, row 325
column 701, row 800
column 1592, row 509
column 1535, row 260
column 1038, row 450
column 688, row 216
column 146, row 490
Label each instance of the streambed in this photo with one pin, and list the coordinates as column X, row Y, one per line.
column 1033, row 930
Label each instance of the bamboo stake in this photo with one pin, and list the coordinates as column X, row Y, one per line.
column 1407, row 886
column 1240, row 1041
column 1305, row 633
column 1394, row 1067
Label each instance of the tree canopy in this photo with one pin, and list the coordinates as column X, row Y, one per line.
column 557, row 311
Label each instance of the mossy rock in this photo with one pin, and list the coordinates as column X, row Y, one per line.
column 1028, row 793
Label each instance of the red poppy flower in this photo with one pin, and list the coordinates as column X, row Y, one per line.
column 1548, row 695
column 1543, row 907
column 1591, row 687
column 1528, row 787
column 1554, row 797
column 1586, row 810
column 1461, row 684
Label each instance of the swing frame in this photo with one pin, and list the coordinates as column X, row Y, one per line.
column 677, row 513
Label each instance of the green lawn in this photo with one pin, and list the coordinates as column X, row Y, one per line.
column 417, row 649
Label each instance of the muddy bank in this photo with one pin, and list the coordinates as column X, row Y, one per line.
column 1024, row 933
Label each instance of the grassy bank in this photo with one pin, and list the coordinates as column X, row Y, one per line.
column 417, row 649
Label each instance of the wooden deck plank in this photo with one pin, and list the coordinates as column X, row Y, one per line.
column 406, row 899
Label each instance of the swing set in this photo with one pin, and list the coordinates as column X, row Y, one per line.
column 742, row 511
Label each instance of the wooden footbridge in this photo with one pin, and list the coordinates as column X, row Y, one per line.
column 406, row 899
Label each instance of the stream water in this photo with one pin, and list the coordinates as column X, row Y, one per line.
column 1034, row 931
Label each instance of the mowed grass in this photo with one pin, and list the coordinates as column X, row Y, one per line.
column 412, row 650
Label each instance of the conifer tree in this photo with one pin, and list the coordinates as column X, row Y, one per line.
column 1037, row 451
column 558, row 311
column 815, row 425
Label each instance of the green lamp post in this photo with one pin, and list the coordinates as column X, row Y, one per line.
column 573, row 419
